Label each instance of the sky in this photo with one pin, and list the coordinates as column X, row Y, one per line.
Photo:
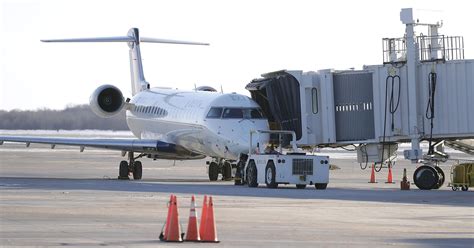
column 247, row 37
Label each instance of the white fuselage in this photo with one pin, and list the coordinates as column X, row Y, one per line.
column 209, row 123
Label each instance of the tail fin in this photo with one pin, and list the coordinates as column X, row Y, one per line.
column 133, row 39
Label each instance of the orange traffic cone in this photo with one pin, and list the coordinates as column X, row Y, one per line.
column 389, row 177
column 168, row 217
column 372, row 176
column 210, row 232
column 172, row 227
column 202, row 227
column 193, row 232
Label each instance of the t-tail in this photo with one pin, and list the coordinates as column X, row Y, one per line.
column 133, row 39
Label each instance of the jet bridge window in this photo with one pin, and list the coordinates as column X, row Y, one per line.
column 314, row 97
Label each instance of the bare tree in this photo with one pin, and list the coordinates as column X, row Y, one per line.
column 71, row 118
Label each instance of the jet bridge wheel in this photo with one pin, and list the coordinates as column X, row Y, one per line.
column 137, row 170
column 441, row 177
column 123, row 170
column 427, row 177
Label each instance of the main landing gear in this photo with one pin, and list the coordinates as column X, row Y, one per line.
column 428, row 177
column 134, row 167
column 220, row 166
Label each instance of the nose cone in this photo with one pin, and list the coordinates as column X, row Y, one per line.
column 258, row 139
column 232, row 136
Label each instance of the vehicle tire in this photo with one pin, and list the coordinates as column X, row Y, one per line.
column 464, row 188
column 441, row 177
column 454, row 188
column 123, row 170
column 227, row 171
column 213, row 171
column 270, row 174
column 301, row 186
column 320, row 185
column 426, row 177
column 252, row 175
column 137, row 170
column 239, row 180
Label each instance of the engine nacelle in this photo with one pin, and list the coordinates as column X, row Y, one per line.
column 206, row 88
column 106, row 101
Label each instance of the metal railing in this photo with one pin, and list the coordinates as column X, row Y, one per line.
column 440, row 48
column 430, row 48
column 394, row 50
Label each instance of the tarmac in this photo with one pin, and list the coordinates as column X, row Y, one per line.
column 62, row 197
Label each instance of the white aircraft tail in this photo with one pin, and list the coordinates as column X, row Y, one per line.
column 133, row 39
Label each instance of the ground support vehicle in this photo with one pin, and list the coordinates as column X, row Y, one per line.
column 275, row 167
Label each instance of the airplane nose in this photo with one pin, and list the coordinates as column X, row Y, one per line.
column 239, row 136
column 257, row 138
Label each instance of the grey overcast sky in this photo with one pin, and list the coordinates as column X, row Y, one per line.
column 247, row 38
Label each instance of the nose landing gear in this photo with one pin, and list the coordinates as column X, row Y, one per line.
column 220, row 166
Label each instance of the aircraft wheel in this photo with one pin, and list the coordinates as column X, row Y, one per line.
column 123, row 170
column 270, row 172
column 426, row 177
column 301, row 186
column 213, row 171
column 464, row 188
column 320, row 185
column 137, row 170
column 252, row 175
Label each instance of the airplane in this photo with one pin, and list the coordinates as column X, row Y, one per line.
column 169, row 123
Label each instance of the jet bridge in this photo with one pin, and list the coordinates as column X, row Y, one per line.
column 423, row 91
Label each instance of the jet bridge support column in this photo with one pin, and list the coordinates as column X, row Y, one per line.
column 406, row 16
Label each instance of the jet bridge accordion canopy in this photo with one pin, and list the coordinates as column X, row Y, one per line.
column 279, row 97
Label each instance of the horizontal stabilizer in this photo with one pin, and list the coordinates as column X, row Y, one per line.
column 100, row 39
column 127, row 39
column 153, row 40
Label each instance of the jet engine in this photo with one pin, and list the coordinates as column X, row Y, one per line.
column 206, row 88
column 106, row 101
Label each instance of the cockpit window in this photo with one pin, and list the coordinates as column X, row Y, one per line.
column 215, row 113
column 233, row 113
column 256, row 114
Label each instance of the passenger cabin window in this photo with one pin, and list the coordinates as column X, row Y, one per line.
column 215, row 113
column 314, row 97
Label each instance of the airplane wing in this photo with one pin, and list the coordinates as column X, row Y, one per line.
column 148, row 146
